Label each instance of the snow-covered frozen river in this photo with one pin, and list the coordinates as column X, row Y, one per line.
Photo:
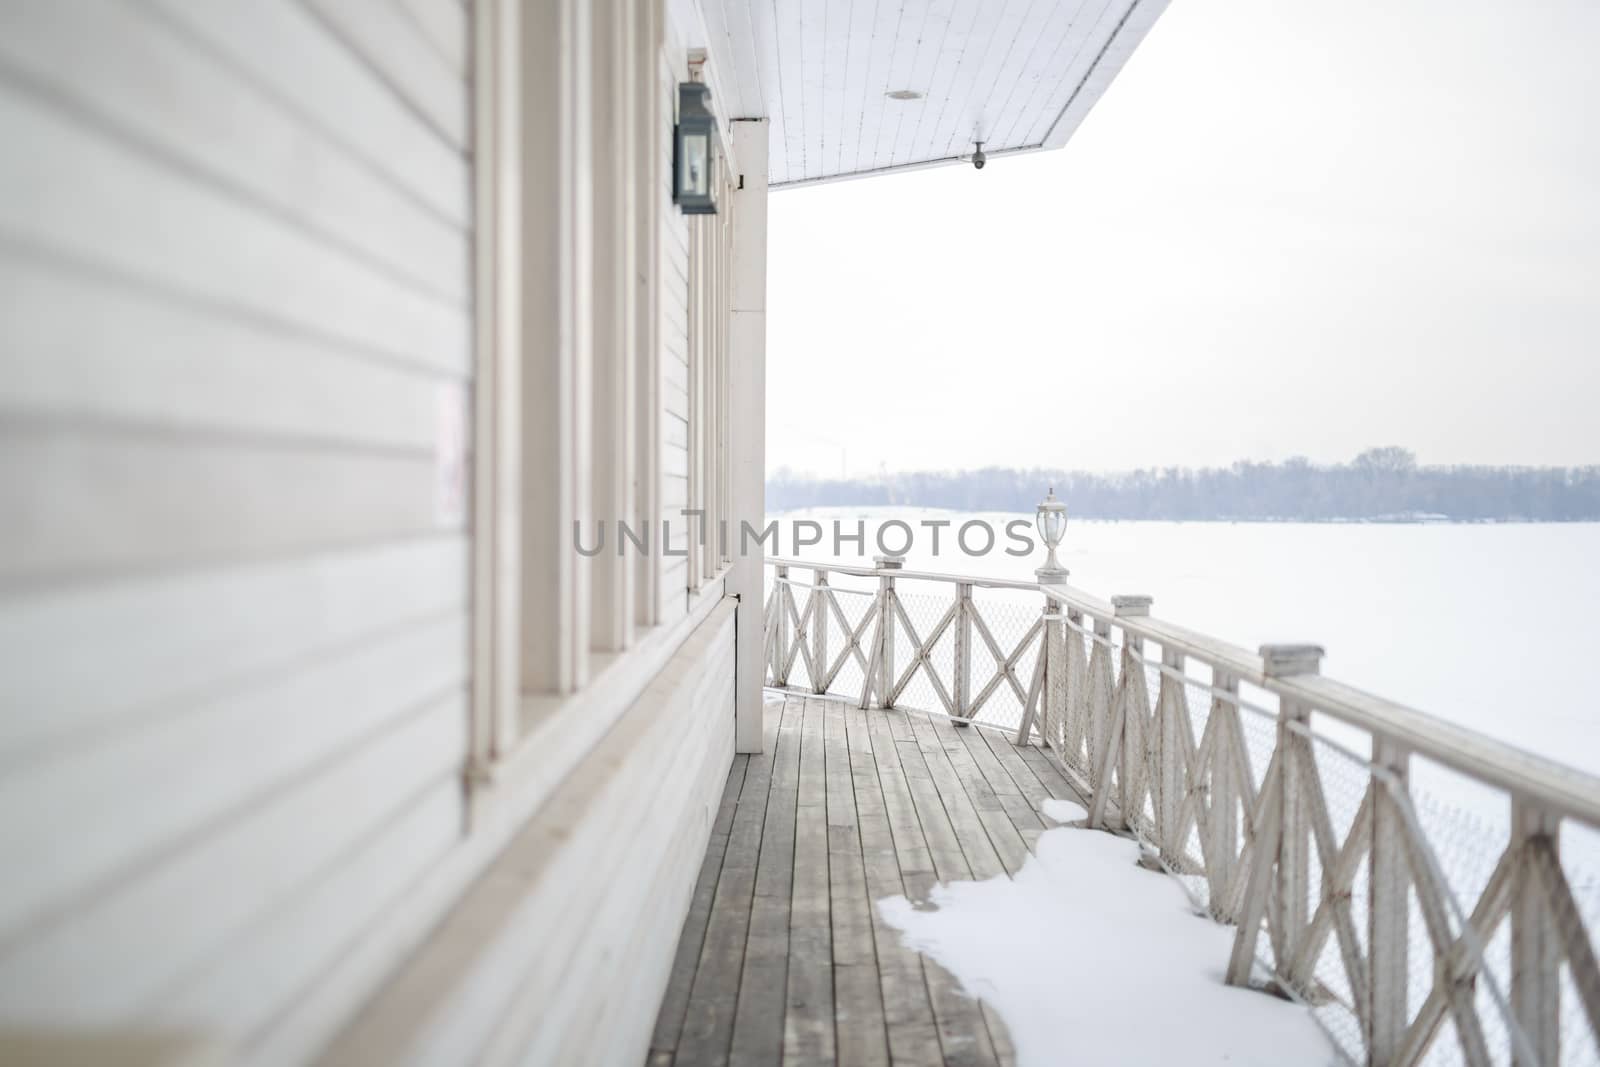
column 1496, row 627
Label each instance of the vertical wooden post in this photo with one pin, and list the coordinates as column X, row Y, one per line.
column 962, row 682
column 612, row 447
column 886, row 566
column 1294, row 842
column 819, row 631
column 498, row 49
column 780, row 660
column 1074, row 691
column 1098, row 717
column 646, row 204
column 1388, row 910
column 551, row 320
column 747, row 430
column 1223, row 828
column 1535, row 941
column 1170, row 778
column 1132, row 721
column 1054, row 697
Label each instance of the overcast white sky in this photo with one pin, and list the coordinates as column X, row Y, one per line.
column 1288, row 228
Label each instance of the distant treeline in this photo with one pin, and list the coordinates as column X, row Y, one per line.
column 1381, row 484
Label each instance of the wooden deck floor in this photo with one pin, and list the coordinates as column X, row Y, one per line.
column 783, row 958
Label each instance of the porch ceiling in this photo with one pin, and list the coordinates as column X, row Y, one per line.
column 1018, row 75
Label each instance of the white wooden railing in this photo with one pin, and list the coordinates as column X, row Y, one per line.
column 1402, row 875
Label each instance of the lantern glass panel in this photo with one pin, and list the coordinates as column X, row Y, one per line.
column 1052, row 525
column 696, row 176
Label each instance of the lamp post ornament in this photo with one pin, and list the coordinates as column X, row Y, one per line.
column 1052, row 523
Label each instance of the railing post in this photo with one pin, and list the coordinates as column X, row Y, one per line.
column 1055, row 676
column 1389, row 907
column 780, row 659
column 1075, row 694
column 1098, row 708
column 886, row 566
column 961, row 683
column 1536, row 950
column 1133, row 744
column 819, row 631
column 1170, row 724
column 1283, row 834
column 1294, row 843
column 1223, row 828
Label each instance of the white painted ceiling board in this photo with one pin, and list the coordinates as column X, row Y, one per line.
column 1018, row 75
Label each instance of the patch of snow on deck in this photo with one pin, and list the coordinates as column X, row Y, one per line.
column 1063, row 810
column 1091, row 959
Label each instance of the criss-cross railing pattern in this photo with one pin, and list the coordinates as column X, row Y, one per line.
column 977, row 658
column 1303, row 811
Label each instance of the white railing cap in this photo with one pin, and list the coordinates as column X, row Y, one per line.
column 1284, row 661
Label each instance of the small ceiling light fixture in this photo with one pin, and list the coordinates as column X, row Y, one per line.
column 903, row 94
column 694, row 152
column 1052, row 522
column 978, row 158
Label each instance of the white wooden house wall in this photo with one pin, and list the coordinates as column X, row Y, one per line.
column 236, row 242
column 233, row 624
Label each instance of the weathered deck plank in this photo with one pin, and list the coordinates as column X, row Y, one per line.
column 913, row 1035
column 708, row 1023
column 808, row 1034
column 784, row 956
column 763, row 988
column 858, row 997
column 675, row 1005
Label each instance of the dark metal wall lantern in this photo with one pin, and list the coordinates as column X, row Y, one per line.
column 694, row 155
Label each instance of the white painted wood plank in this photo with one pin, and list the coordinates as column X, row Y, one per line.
column 87, row 657
column 1024, row 100
column 527, row 781
column 1088, row 35
column 553, row 1005
column 837, row 105
column 813, row 47
column 972, row 77
column 674, row 496
column 284, row 47
column 110, row 502
column 959, row 42
column 79, row 195
column 674, row 587
column 1009, row 29
column 675, row 462
column 123, row 948
column 877, row 110
column 121, row 796
column 674, row 400
column 855, row 99
column 279, row 959
column 1137, row 20
column 764, row 28
column 444, row 24
column 173, row 366
column 147, row 80
column 521, row 956
column 394, row 47
column 736, row 81
column 902, row 59
column 674, row 432
column 948, row 34
column 792, row 78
